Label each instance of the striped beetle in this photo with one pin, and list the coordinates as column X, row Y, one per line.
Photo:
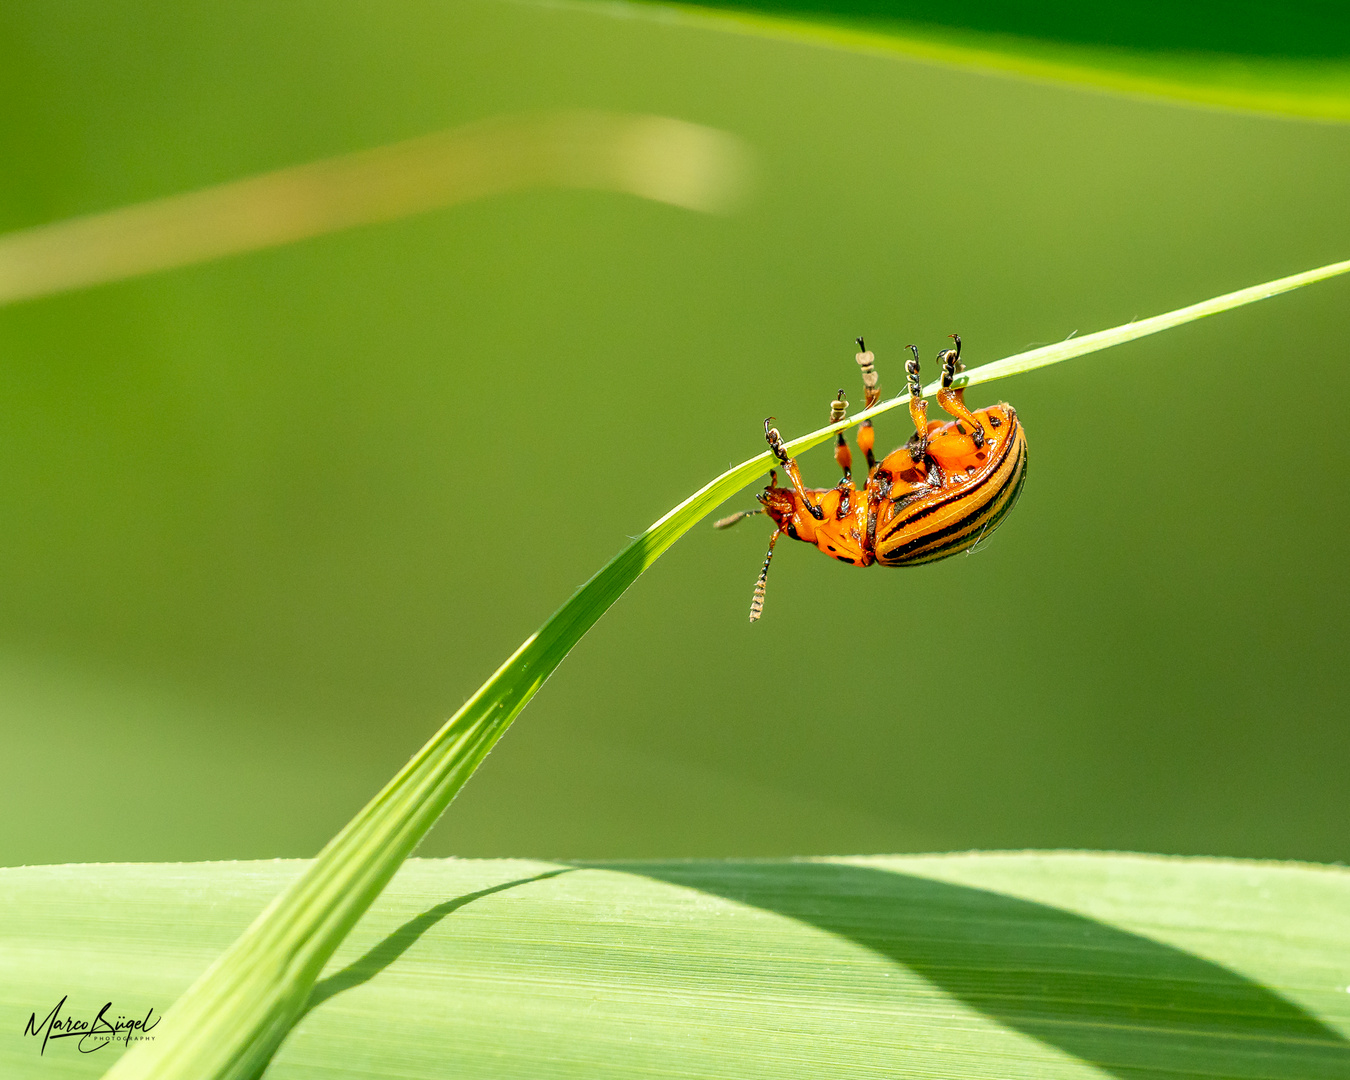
column 939, row 494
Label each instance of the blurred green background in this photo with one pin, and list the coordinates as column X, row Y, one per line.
column 269, row 520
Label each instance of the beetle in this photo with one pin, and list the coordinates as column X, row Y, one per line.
column 940, row 494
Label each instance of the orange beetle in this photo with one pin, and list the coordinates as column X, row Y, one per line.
column 939, row 494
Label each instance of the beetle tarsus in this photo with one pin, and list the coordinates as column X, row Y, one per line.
column 918, row 407
column 871, row 380
column 842, row 456
column 838, row 408
column 774, row 440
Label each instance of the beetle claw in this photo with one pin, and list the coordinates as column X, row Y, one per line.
column 775, row 440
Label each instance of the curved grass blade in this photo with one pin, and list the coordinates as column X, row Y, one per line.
column 229, row 1023
column 1131, row 52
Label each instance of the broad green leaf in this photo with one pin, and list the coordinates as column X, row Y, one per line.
column 970, row 966
column 1291, row 59
column 231, row 1020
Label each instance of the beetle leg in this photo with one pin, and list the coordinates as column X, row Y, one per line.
column 757, row 602
column 846, row 493
column 842, row 457
column 918, row 407
column 871, row 395
column 905, row 500
column 871, row 380
column 953, row 402
column 867, row 439
column 790, row 464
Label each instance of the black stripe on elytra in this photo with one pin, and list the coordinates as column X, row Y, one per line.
column 954, row 546
column 936, row 545
column 1001, row 475
column 961, row 493
column 999, row 509
column 923, row 548
column 994, row 513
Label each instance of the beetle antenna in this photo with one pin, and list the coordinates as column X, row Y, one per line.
column 757, row 602
column 730, row 520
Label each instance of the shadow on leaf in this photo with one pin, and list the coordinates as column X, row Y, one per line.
column 1128, row 1005
column 396, row 944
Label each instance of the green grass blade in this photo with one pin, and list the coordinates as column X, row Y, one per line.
column 1261, row 61
column 231, row 1020
column 1104, row 339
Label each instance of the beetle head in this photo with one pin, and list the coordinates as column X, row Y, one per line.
column 779, row 503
